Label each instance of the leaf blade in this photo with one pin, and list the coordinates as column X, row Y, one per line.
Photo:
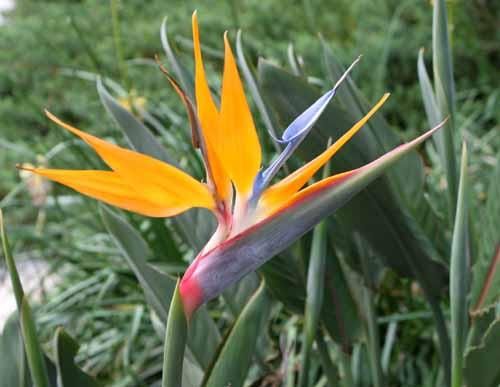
column 459, row 281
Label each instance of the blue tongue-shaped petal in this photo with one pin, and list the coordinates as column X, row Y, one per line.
column 294, row 134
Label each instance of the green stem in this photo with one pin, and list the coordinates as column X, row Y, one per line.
column 175, row 342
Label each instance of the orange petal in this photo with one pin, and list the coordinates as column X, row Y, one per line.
column 280, row 193
column 238, row 146
column 110, row 188
column 209, row 118
column 149, row 177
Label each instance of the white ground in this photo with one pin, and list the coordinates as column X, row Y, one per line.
column 31, row 274
column 5, row 5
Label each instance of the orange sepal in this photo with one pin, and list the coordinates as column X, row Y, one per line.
column 209, row 119
column 149, row 177
column 238, row 146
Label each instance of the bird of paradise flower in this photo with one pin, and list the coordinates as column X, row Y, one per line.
column 256, row 218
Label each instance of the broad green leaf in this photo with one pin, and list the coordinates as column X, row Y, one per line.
column 444, row 85
column 175, row 342
column 368, row 311
column 13, row 367
column 481, row 362
column 286, row 283
column 192, row 375
column 314, row 299
column 375, row 213
column 34, row 354
column 340, row 313
column 158, row 287
column 485, row 289
column 408, row 176
column 238, row 295
column 284, row 279
column 234, row 358
column 68, row 374
column 459, row 277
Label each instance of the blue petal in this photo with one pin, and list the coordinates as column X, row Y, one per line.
column 295, row 133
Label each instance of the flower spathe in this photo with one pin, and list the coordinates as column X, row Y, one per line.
column 237, row 188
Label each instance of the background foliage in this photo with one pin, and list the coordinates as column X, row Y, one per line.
column 49, row 51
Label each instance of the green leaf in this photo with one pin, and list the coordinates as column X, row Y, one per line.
column 430, row 103
column 238, row 295
column 13, row 367
column 480, row 322
column 445, row 96
column 284, row 279
column 407, row 177
column 158, row 287
column 314, row 300
column 32, row 346
column 34, row 354
column 235, row 355
column 368, row 310
column 340, row 313
column 481, row 362
column 175, row 342
column 459, row 277
column 485, row 290
column 11, row 266
column 68, row 374
column 375, row 213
